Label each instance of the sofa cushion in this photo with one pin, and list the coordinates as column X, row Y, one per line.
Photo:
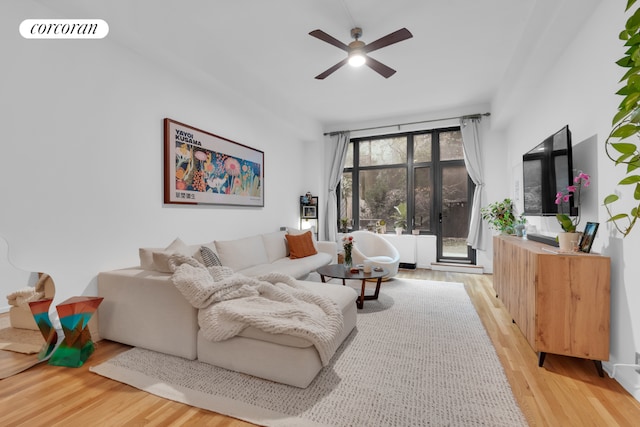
column 298, row 269
column 282, row 339
column 242, row 253
column 301, row 267
column 301, row 246
column 275, row 244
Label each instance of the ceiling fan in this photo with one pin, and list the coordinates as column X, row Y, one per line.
column 357, row 50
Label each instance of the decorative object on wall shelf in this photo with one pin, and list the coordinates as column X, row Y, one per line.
column 203, row 168
column 309, row 212
column 618, row 146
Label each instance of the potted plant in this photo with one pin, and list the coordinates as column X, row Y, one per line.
column 568, row 239
column 500, row 216
column 400, row 217
column 344, row 224
column 619, row 146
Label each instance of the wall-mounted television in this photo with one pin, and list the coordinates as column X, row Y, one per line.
column 547, row 170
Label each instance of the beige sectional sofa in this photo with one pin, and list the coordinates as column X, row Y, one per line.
column 143, row 308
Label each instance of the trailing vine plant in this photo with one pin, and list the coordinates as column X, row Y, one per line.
column 626, row 124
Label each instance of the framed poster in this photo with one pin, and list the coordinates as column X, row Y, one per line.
column 203, row 168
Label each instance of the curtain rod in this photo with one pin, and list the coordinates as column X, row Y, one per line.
column 471, row 116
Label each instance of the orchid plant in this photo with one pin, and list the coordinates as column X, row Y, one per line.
column 568, row 223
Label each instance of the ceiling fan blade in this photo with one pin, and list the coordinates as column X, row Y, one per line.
column 319, row 34
column 332, row 69
column 380, row 68
column 395, row 37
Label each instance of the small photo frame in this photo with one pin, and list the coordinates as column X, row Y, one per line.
column 588, row 235
column 309, row 212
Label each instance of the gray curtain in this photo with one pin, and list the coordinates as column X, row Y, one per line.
column 470, row 128
column 340, row 144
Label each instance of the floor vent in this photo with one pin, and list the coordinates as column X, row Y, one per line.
column 457, row 268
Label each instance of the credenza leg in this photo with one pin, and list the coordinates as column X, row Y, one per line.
column 541, row 357
column 598, row 364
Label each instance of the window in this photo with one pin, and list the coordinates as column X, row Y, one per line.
column 419, row 173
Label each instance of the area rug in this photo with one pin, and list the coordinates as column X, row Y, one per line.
column 21, row 347
column 419, row 356
column 25, row 341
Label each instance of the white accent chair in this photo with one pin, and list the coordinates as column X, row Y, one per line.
column 375, row 248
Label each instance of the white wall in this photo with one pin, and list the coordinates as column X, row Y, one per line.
column 579, row 91
column 82, row 177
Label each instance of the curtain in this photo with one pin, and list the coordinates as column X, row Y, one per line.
column 340, row 144
column 470, row 129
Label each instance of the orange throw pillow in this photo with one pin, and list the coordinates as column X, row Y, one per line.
column 300, row 245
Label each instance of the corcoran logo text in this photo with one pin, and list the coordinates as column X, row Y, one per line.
column 64, row 29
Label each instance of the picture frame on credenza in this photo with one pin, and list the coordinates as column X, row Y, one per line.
column 586, row 240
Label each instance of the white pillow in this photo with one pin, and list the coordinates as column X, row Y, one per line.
column 275, row 244
column 148, row 258
column 242, row 253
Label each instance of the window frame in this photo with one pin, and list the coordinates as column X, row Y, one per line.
column 434, row 165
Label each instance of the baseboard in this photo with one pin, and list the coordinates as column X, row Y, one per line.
column 457, row 268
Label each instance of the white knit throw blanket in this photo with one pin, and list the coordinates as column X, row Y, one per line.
column 273, row 303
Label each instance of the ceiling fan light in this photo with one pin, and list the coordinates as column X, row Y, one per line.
column 356, row 59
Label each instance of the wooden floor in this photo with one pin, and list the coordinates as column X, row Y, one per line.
column 566, row 392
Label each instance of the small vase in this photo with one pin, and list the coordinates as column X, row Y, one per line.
column 568, row 241
column 348, row 262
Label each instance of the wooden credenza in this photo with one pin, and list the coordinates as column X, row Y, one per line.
column 559, row 301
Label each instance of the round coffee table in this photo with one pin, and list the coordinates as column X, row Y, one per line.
column 338, row 271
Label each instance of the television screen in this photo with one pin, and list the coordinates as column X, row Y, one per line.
column 547, row 170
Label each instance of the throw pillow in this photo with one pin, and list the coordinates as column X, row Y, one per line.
column 301, row 245
column 209, row 257
column 296, row 232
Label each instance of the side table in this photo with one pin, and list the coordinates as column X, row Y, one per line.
column 77, row 345
column 40, row 311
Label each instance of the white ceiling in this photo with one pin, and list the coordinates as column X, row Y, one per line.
column 461, row 52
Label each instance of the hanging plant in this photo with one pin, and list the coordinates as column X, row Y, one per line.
column 626, row 124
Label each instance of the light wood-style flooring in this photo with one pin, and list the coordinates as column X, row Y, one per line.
column 565, row 392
